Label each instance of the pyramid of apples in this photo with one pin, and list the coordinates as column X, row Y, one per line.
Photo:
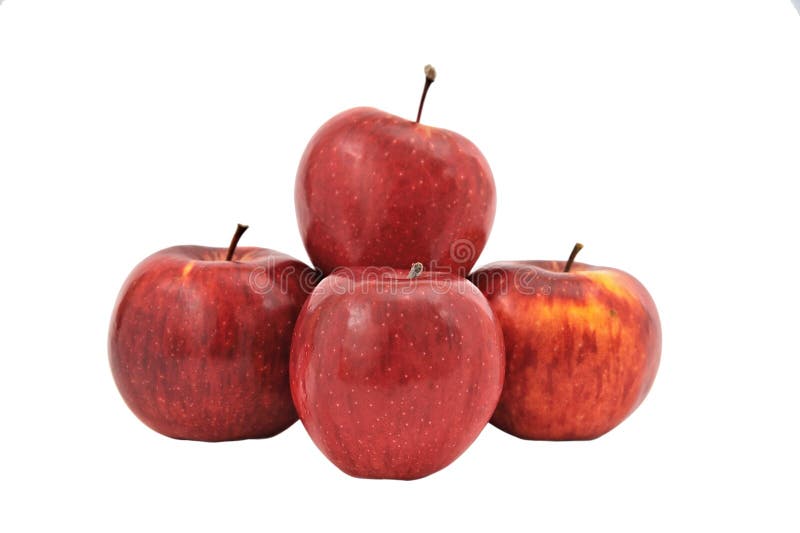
column 392, row 352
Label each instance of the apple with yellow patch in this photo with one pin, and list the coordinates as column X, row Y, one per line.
column 583, row 344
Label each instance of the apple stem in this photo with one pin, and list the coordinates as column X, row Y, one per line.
column 240, row 229
column 430, row 75
column 416, row 270
column 577, row 248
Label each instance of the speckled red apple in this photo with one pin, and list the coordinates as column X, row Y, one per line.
column 376, row 189
column 395, row 377
column 199, row 344
column 583, row 345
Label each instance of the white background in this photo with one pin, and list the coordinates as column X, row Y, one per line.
column 663, row 135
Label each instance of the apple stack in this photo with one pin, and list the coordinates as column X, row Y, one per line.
column 391, row 352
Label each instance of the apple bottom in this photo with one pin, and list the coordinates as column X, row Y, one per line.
column 200, row 381
column 419, row 430
column 211, row 400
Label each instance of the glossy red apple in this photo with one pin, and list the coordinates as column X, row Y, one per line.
column 395, row 377
column 583, row 345
column 376, row 189
column 199, row 342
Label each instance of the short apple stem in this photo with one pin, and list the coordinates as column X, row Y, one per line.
column 416, row 270
column 577, row 248
column 430, row 75
column 240, row 229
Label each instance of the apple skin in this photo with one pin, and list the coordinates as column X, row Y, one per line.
column 395, row 378
column 376, row 189
column 199, row 346
column 582, row 348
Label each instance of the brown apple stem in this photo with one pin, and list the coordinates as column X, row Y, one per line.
column 430, row 75
column 240, row 229
column 577, row 248
column 416, row 270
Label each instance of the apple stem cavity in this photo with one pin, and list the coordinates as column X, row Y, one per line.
column 416, row 270
column 577, row 248
column 430, row 75
column 240, row 229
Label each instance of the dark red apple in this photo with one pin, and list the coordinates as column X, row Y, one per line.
column 376, row 189
column 583, row 345
column 395, row 376
column 199, row 340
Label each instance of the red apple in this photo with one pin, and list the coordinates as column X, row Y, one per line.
column 395, row 376
column 199, row 342
column 583, row 345
column 376, row 189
